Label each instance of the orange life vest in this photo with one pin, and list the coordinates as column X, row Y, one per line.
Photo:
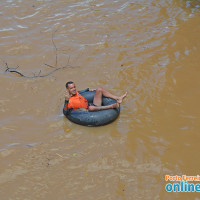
column 77, row 101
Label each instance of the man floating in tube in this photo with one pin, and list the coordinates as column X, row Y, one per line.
column 74, row 100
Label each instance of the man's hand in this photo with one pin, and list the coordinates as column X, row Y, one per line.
column 92, row 90
column 67, row 95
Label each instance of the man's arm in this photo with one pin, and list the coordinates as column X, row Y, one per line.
column 66, row 110
column 67, row 95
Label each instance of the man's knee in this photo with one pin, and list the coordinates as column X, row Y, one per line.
column 100, row 90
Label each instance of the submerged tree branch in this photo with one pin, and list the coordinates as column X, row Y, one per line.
column 55, row 68
column 13, row 70
column 56, row 49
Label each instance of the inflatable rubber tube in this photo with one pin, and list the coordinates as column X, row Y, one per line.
column 95, row 118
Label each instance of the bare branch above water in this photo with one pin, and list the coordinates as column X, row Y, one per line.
column 40, row 74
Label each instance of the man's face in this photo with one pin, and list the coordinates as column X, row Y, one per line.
column 72, row 89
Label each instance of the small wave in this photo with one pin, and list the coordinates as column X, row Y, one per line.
column 28, row 16
column 23, row 27
column 123, row 7
column 6, row 29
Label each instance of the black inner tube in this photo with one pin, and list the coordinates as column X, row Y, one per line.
column 95, row 118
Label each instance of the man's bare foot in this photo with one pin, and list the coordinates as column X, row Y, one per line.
column 121, row 98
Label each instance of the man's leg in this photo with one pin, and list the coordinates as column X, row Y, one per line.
column 102, row 92
column 95, row 108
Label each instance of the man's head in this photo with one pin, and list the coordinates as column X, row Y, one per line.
column 71, row 87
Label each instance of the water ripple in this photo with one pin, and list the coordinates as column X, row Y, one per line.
column 27, row 16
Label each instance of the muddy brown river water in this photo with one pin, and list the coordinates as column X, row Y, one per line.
column 148, row 48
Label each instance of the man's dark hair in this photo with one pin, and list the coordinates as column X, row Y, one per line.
column 69, row 82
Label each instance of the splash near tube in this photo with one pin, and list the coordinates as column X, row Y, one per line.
column 95, row 118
